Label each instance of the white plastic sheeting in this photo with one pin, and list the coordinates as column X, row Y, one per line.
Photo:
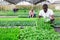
column 2, row 2
column 24, row 3
column 45, row 2
column 51, row 1
column 57, row 7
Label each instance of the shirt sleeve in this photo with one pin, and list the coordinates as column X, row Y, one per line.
column 40, row 13
column 51, row 12
column 29, row 12
column 34, row 12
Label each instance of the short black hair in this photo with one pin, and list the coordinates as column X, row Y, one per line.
column 45, row 5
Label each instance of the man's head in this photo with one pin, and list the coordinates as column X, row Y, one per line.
column 45, row 7
column 32, row 10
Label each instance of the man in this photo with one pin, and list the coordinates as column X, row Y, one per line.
column 32, row 13
column 47, row 13
column 15, row 10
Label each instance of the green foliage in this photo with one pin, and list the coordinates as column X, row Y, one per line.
column 9, row 33
column 23, row 16
column 17, row 22
column 43, row 31
column 24, row 13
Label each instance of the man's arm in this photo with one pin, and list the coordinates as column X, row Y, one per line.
column 52, row 15
column 29, row 13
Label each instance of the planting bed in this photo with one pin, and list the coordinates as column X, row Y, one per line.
column 42, row 30
column 17, row 21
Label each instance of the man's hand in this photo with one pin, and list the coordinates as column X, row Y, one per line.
column 52, row 17
column 40, row 16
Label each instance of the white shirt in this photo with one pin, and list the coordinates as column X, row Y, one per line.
column 47, row 14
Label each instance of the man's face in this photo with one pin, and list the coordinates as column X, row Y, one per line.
column 32, row 10
column 45, row 7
